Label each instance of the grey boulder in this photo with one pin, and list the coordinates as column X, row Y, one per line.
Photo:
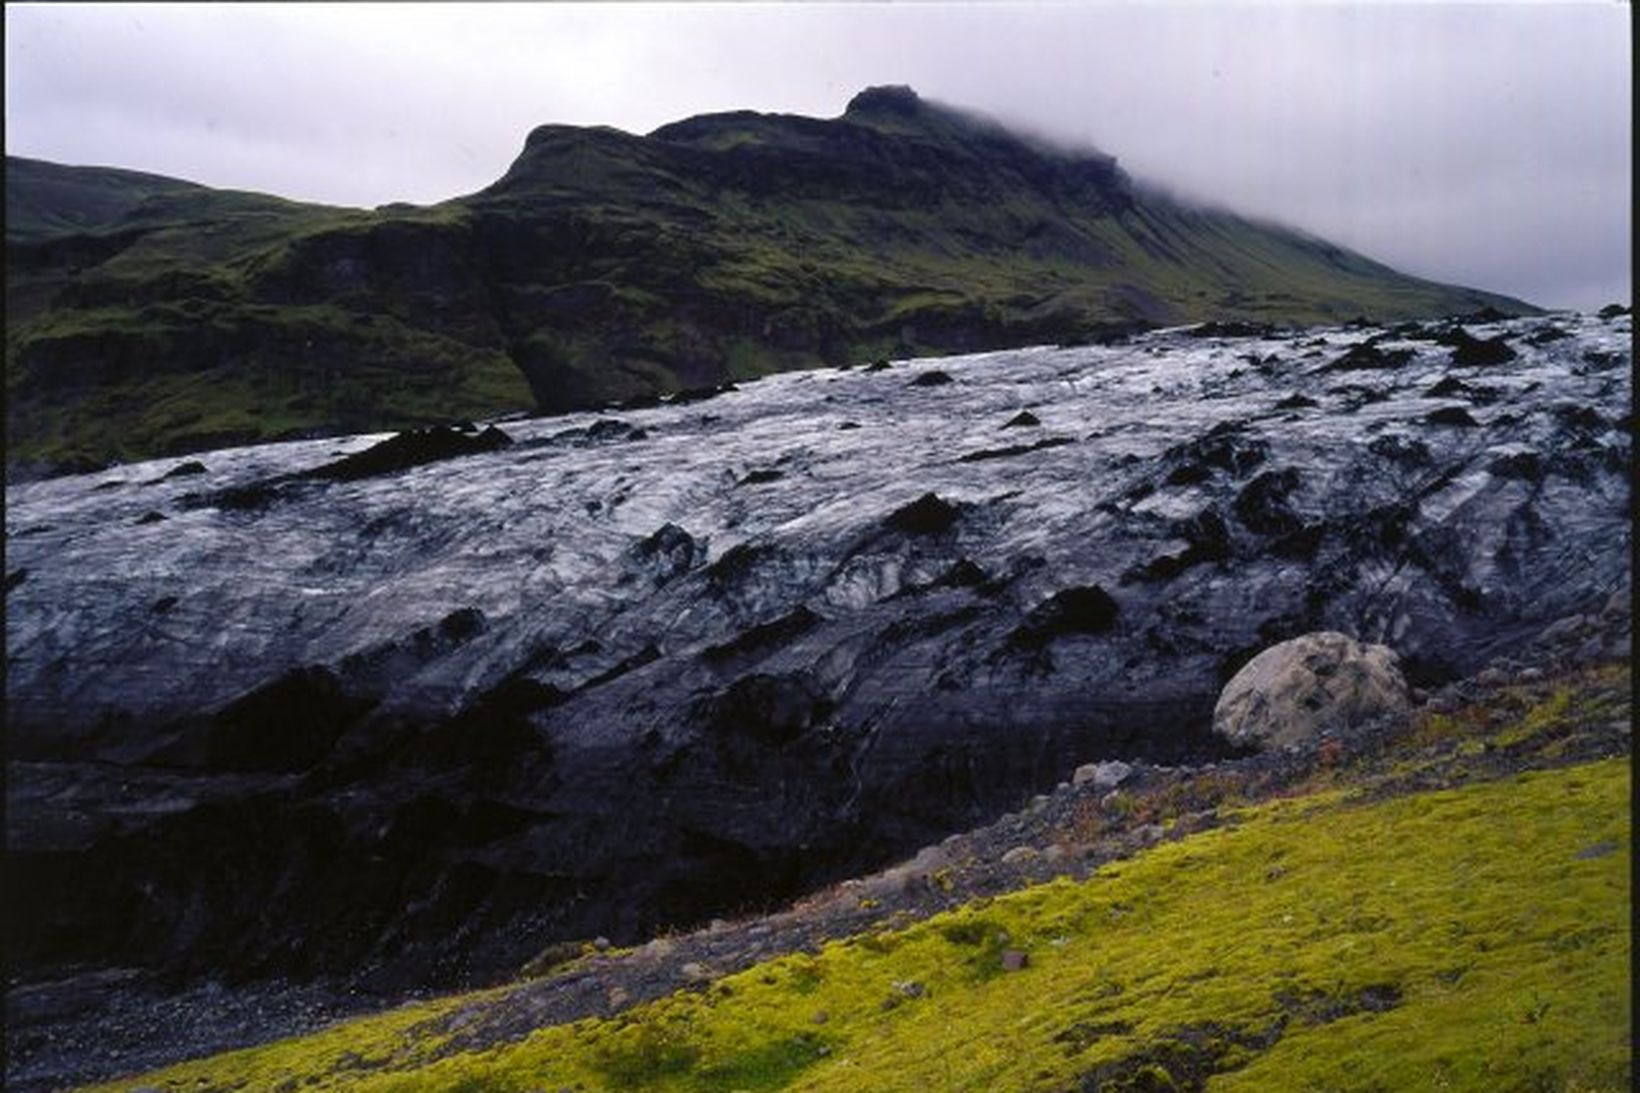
column 1308, row 687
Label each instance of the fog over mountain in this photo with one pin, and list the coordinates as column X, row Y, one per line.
column 1486, row 145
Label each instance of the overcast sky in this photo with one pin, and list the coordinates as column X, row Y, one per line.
column 1483, row 144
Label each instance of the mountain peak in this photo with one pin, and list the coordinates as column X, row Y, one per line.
column 885, row 99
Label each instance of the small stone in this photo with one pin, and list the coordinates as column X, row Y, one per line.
column 1019, row 854
column 820, row 1017
column 658, row 949
column 930, row 858
column 910, row 988
column 1038, row 803
column 1598, row 850
column 601, row 944
column 1149, row 833
column 1491, row 677
column 1529, row 675
column 617, row 997
column 695, row 972
column 1102, row 775
column 1014, row 959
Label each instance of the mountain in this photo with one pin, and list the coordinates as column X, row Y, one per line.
column 150, row 316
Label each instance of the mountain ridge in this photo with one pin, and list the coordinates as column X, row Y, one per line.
column 150, row 318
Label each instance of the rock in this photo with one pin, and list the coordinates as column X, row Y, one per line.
column 1323, row 682
column 1367, row 356
column 1263, row 505
column 412, row 448
column 695, row 972
column 1148, row 833
column 1084, row 610
column 617, row 997
column 185, row 470
column 1492, row 677
column 1019, row 855
column 1014, row 449
column 931, row 378
column 1524, row 466
column 1023, row 419
column 1102, row 775
column 658, row 949
column 820, row 1017
column 929, row 514
column 1015, row 959
column 1444, row 701
column 1469, row 351
column 1451, row 415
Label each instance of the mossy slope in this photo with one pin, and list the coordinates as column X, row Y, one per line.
column 1473, row 938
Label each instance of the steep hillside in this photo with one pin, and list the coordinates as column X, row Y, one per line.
column 149, row 316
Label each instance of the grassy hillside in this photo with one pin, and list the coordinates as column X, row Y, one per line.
column 150, row 316
column 45, row 199
column 1445, row 909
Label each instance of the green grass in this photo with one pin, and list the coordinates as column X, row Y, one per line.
column 1474, row 938
column 358, row 375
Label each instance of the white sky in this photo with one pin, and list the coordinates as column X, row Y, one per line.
column 1483, row 144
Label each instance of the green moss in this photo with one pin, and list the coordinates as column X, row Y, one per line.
column 1456, row 939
